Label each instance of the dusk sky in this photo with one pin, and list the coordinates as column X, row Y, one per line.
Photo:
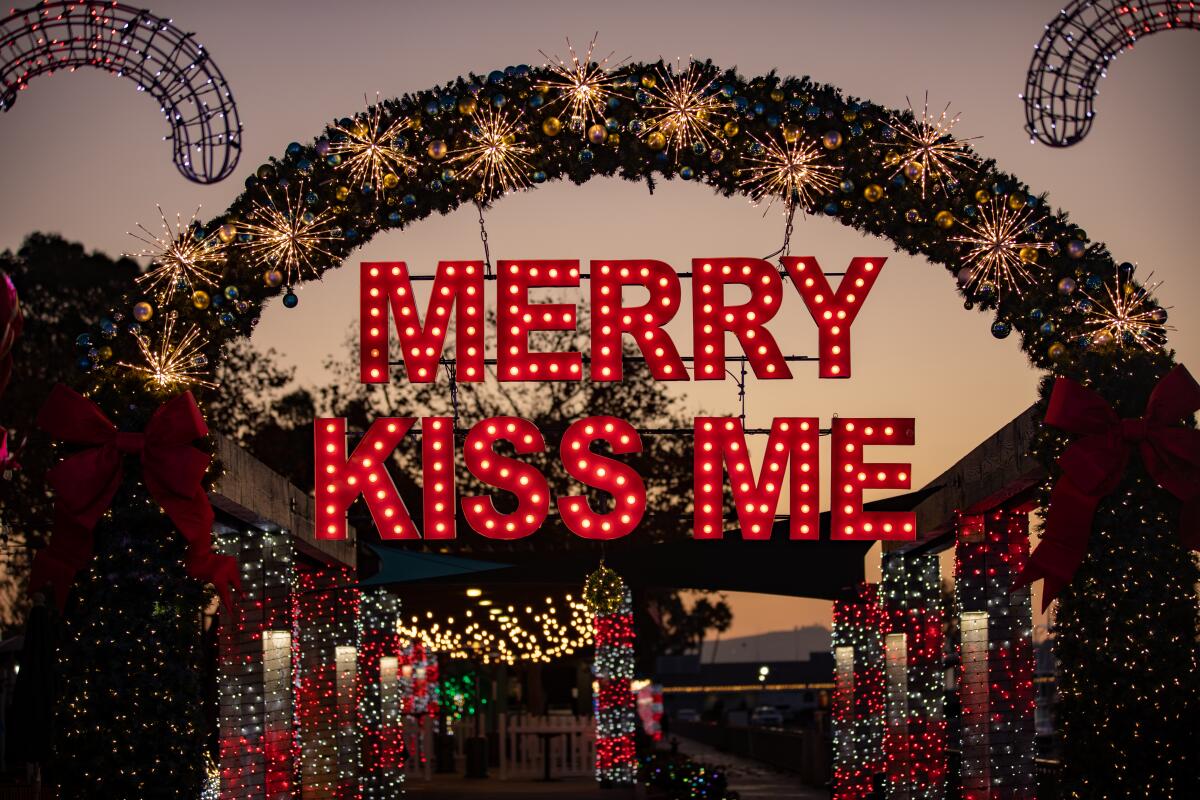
column 82, row 156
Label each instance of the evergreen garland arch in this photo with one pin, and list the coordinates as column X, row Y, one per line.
column 1126, row 624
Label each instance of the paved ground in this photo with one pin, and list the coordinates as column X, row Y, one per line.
column 751, row 780
column 453, row 787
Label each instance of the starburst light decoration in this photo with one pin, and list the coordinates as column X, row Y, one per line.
column 372, row 152
column 1127, row 314
column 288, row 238
column 788, row 170
column 173, row 363
column 494, row 154
column 181, row 257
column 684, row 107
column 584, row 85
column 1000, row 251
column 930, row 155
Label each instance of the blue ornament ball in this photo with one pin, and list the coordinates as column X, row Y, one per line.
column 1094, row 283
column 290, row 300
column 1001, row 329
column 586, row 156
column 83, row 341
column 1037, row 315
column 539, row 177
column 687, row 173
column 1066, row 286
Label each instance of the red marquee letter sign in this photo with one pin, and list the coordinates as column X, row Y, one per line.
column 611, row 319
column 851, row 475
column 833, row 312
column 385, row 284
column 437, row 459
column 340, row 481
column 516, row 318
column 711, row 318
column 509, row 474
column 606, row 474
column 793, row 440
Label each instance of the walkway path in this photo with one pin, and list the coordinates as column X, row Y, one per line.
column 753, row 780
column 750, row 779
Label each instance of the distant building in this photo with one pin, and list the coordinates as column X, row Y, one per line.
column 730, row 692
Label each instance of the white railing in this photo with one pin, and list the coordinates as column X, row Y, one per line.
column 570, row 742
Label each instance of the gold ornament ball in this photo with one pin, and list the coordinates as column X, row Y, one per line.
column 777, row 95
column 1102, row 339
column 944, row 219
column 596, row 134
column 273, row 278
column 1028, row 254
column 104, row 353
column 982, row 196
column 913, row 170
column 226, row 233
column 1016, row 201
column 731, row 128
column 391, row 180
column 551, row 126
column 342, row 193
column 614, row 139
column 791, row 133
column 467, row 105
column 437, row 149
column 649, row 81
column 656, row 140
column 200, row 299
column 142, row 311
column 832, row 140
column 873, row 193
column 1057, row 351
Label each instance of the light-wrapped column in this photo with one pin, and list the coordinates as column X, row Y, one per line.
column 916, row 755
column 325, row 621
column 996, row 678
column 255, row 720
column 859, row 624
column 616, row 715
column 381, row 771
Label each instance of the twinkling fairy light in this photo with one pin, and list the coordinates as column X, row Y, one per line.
column 181, row 257
column 288, row 238
column 172, row 363
column 788, row 170
column 371, row 149
column 505, row 634
column 998, row 247
column 494, row 155
column 684, row 106
column 930, row 153
column 1126, row 314
column 584, row 85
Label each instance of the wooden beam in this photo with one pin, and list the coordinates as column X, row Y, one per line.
column 996, row 471
column 256, row 495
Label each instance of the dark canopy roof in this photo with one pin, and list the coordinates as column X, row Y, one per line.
column 820, row 569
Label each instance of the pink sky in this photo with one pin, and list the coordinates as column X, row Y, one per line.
column 82, row 156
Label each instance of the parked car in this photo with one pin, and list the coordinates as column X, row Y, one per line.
column 766, row 717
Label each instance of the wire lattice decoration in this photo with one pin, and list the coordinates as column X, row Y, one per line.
column 131, row 43
column 1074, row 53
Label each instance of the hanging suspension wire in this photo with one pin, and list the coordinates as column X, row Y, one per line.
column 786, row 247
column 483, row 237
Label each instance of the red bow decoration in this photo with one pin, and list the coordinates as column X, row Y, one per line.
column 1093, row 464
column 86, row 482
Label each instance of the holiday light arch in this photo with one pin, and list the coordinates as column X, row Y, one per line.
column 1077, row 312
